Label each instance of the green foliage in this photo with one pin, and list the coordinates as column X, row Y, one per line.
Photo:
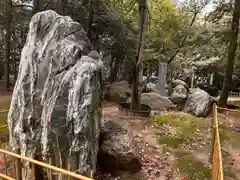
column 181, row 129
column 191, row 168
column 178, row 132
column 229, row 136
column 116, row 22
column 171, row 141
column 162, row 119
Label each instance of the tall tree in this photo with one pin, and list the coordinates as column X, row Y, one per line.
column 61, row 6
column 195, row 7
column 231, row 53
column 36, row 6
column 7, row 39
column 136, row 89
column 90, row 20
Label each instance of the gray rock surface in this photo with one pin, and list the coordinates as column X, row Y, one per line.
column 56, row 104
column 177, row 82
column 153, row 79
column 117, row 151
column 156, row 101
column 179, row 94
column 151, row 87
column 198, row 102
column 117, row 92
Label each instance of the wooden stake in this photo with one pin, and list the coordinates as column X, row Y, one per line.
column 18, row 166
column 5, row 164
column 50, row 170
column 34, row 171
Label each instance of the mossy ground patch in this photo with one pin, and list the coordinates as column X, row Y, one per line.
column 185, row 135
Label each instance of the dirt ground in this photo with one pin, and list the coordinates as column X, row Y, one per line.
column 177, row 146
column 156, row 164
column 171, row 145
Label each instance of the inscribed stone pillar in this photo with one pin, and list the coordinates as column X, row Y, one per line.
column 162, row 78
column 211, row 78
column 193, row 78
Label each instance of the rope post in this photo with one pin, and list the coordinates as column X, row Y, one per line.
column 44, row 165
column 5, row 164
column 34, row 171
column 18, row 166
column 214, row 126
column 92, row 174
column 50, row 170
column 69, row 169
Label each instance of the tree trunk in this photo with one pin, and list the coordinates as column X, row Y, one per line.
column 136, row 87
column 61, row 6
column 14, row 64
column 7, row 40
column 231, row 54
column 135, row 101
column 97, row 42
column 90, row 20
column 130, row 77
column 114, row 70
column 36, row 6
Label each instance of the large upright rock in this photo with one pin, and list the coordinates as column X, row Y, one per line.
column 56, row 104
column 198, row 102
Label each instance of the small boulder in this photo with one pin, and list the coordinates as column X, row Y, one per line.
column 156, row 101
column 179, row 82
column 198, row 102
column 117, row 92
column 179, row 94
column 117, row 151
column 151, row 87
column 153, row 79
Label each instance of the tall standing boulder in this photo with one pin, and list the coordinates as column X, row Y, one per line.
column 198, row 102
column 56, row 104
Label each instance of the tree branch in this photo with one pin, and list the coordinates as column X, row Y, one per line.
column 183, row 40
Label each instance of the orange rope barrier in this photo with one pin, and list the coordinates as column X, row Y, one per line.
column 217, row 167
column 4, row 111
column 6, row 177
column 2, row 127
column 226, row 109
column 74, row 175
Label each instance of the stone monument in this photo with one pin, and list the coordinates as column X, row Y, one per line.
column 56, row 104
column 162, row 78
